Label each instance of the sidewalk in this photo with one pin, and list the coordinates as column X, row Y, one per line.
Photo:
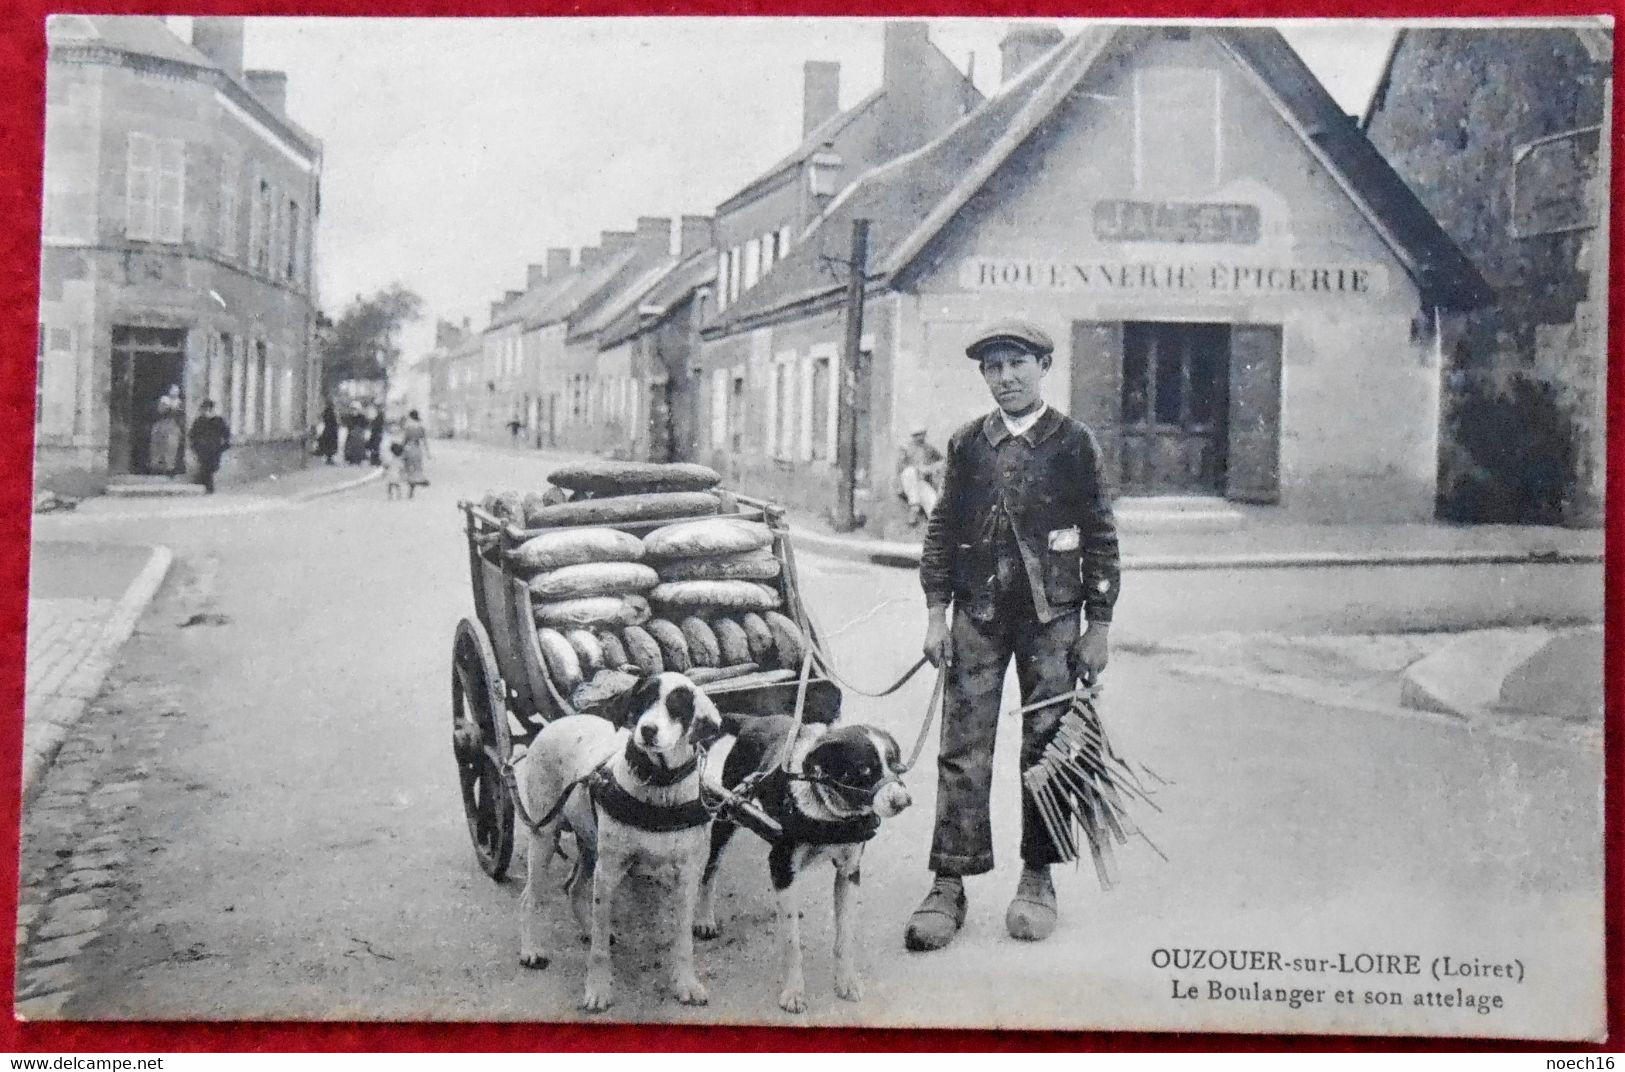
column 275, row 492
column 84, row 602
column 1268, row 544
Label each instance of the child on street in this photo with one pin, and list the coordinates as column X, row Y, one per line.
column 393, row 479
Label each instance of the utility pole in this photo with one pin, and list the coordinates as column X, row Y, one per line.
column 846, row 428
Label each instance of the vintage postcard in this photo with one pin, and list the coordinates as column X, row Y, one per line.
column 943, row 523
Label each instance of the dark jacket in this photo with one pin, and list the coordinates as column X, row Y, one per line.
column 1057, row 491
column 210, row 437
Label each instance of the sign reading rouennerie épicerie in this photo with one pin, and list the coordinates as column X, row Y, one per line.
column 1106, row 275
column 1117, row 220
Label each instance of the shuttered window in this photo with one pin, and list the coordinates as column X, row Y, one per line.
column 230, row 177
column 171, row 197
column 140, row 186
column 719, row 409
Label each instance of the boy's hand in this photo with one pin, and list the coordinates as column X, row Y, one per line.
column 1089, row 653
column 939, row 644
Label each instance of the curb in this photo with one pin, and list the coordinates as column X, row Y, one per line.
column 348, row 485
column 907, row 556
column 99, row 660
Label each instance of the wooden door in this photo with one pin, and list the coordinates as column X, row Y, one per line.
column 1255, row 414
column 1175, row 384
column 1097, row 374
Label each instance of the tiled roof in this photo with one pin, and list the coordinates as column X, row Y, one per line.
column 627, row 297
column 681, row 280
column 910, row 199
column 554, row 302
column 142, row 35
column 828, row 130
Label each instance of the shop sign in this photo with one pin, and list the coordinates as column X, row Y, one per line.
column 1103, row 276
column 1176, row 221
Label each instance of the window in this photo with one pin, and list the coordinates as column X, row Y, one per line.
column 259, row 223
column 285, row 402
column 821, row 410
column 770, row 250
column 724, row 260
column 753, row 262
column 220, row 378
column 154, row 188
column 736, row 411
column 291, row 254
column 719, row 409
column 273, row 253
column 1177, row 115
column 734, row 265
column 784, row 243
column 238, row 384
column 230, row 166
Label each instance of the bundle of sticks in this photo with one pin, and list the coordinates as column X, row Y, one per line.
column 1080, row 787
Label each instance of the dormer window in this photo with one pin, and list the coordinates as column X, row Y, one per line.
column 824, row 172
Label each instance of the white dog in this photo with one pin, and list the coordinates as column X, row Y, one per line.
column 631, row 796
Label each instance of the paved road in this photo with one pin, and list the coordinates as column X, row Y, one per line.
column 287, row 840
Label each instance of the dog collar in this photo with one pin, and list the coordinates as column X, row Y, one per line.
column 645, row 770
column 613, row 799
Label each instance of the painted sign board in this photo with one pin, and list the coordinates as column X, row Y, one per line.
column 1115, row 275
column 1176, row 221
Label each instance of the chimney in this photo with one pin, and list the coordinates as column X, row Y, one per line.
column 590, row 255
column 905, row 122
column 511, row 295
column 693, row 234
column 654, row 237
column 271, row 87
column 496, row 307
column 220, row 37
column 1024, row 43
column 616, row 242
column 468, row 325
column 558, row 263
column 820, row 94
column 535, row 276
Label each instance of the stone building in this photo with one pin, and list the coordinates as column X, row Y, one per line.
column 178, row 248
column 1503, row 134
column 1247, row 302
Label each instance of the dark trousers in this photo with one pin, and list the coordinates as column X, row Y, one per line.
column 963, row 842
column 207, row 466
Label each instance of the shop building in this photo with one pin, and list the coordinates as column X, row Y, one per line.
column 178, row 249
column 1503, row 134
column 1247, row 301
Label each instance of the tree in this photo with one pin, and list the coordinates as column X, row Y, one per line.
column 360, row 344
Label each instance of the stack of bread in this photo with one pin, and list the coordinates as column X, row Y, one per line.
column 700, row 597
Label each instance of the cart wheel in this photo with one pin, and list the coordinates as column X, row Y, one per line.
column 482, row 744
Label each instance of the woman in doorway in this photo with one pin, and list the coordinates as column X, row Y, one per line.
column 164, row 437
column 415, row 441
column 327, row 440
column 355, row 436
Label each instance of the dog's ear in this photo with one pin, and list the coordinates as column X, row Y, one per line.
column 890, row 753
column 626, row 707
column 705, row 721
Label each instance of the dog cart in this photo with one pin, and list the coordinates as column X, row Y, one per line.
column 502, row 692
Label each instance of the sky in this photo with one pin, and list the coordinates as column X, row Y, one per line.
column 456, row 151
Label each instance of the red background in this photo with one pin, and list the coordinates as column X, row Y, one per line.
column 22, row 110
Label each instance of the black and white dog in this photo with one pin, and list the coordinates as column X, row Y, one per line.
column 839, row 785
column 631, row 796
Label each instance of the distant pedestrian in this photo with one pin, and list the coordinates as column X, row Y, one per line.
column 919, row 475
column 375, row 437
column 393, row 468
column 164, row 437
column 355, row 437
column 211, row 438
column 327, row 440
column 415, row 455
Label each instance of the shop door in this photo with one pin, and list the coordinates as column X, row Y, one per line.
column 146, row 362
column 1175, row 408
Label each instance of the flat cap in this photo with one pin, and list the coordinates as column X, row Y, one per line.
column 1022, row 334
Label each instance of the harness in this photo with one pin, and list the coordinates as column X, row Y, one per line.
column 801, row 828
column 612, row 798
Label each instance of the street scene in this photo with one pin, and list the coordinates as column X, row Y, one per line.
column 1298, row 468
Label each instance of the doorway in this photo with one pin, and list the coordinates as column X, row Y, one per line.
column 146, row 363
column 1175, row 408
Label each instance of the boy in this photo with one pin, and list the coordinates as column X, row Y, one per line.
column 393, row 480
column 1020, row 542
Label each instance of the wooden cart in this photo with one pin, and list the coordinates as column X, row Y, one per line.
column 501, row 693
